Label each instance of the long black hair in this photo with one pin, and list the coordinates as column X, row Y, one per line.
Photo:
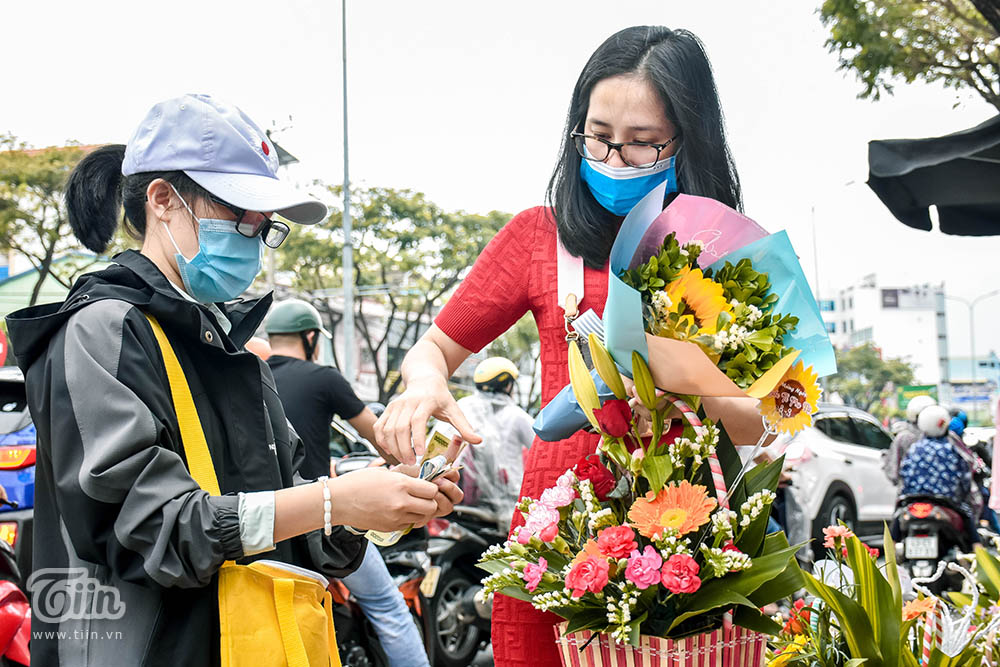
column 96, row 191
column 675, row 63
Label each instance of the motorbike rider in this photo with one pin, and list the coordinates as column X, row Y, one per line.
column 497, row 466
column 907, row 434
column 311, row 394
column 934, row 466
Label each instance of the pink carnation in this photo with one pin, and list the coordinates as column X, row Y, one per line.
column 680, row 574
column 542, row 521
column 590, row 574
column 558, row 496
column 617, row 542
column 834, row 533
column 533, row 574
column 644, row 569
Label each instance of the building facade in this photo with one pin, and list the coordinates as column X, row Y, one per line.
column 907, row 322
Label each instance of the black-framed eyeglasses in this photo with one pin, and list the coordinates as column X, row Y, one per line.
column 253, row 223
column 640, row 154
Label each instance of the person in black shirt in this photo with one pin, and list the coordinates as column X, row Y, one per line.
column 310, row 393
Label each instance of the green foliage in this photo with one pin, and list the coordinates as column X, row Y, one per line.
column 945, row 41
column 863, row 378
column 660, row 269
column 408, row 255
column 33, row 218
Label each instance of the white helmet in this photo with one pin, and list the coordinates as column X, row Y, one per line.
column 916, row 406
column 933, row 421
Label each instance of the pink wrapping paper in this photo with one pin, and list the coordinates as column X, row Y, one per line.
column 741, row 648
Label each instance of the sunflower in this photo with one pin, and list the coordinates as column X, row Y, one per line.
column 697, row 299
column 790, row 406
column 684, row 507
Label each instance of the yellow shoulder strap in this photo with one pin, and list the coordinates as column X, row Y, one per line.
column 199, row 459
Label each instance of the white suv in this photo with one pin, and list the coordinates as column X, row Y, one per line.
column 837, row 475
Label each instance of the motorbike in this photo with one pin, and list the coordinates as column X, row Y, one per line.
column 15, row 612
column 407, row 562
column 932, row 529
column 461, row 614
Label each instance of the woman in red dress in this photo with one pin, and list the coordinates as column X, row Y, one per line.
column 644, row 111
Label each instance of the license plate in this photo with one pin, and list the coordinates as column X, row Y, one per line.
column 430, row 583
column 922, row 546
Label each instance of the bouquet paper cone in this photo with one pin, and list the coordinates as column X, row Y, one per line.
column 680, row 367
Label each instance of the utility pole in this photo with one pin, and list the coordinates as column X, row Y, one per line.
column 348, row 262
column 971, row 305
column 815, row 253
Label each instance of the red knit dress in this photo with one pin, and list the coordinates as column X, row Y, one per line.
column 516, row 273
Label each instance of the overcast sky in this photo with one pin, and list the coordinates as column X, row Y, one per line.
column 466, row 102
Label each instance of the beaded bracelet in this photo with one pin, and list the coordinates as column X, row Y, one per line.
column 327, row 507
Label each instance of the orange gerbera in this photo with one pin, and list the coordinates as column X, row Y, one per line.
column 589, row 549
column 684, row 507
column 916, row 608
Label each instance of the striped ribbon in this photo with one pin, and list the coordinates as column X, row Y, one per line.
column 930, row 635
column 718, row 479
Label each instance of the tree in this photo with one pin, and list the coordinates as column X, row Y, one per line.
column 33, row 217
column 520, row 345
column 863, row 378
column 933, row 40
column 408, row 254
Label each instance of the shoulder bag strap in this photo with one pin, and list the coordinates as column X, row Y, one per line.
column 569, row 285
column 199, row 459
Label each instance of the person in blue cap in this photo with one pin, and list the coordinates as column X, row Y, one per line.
column 116, row 508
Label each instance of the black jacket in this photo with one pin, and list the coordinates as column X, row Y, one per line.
column 113, row 497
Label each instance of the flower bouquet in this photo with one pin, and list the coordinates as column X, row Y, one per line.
column 656, row 547
column 857, row 614
column 715, row 305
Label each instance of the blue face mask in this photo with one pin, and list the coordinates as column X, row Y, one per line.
column 618, row 189
column 226, row 264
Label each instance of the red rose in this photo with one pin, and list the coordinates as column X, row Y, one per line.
column 680, row 574
column 591, row 468
column 617, row 542
column 614, row 417
column 590, row 574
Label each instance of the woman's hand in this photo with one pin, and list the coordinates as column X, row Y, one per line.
column 449, row 493
column 644, row 419
column 401, row 430
column 378, row 499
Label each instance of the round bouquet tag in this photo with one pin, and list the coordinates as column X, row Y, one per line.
column 790, row 399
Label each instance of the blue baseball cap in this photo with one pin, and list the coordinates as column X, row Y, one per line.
column 221, row 150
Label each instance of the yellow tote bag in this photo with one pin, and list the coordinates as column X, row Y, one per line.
column 270, row 613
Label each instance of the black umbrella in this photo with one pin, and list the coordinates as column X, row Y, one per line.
column 958, row 173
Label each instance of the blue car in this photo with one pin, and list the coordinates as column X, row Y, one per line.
column 17, row 466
